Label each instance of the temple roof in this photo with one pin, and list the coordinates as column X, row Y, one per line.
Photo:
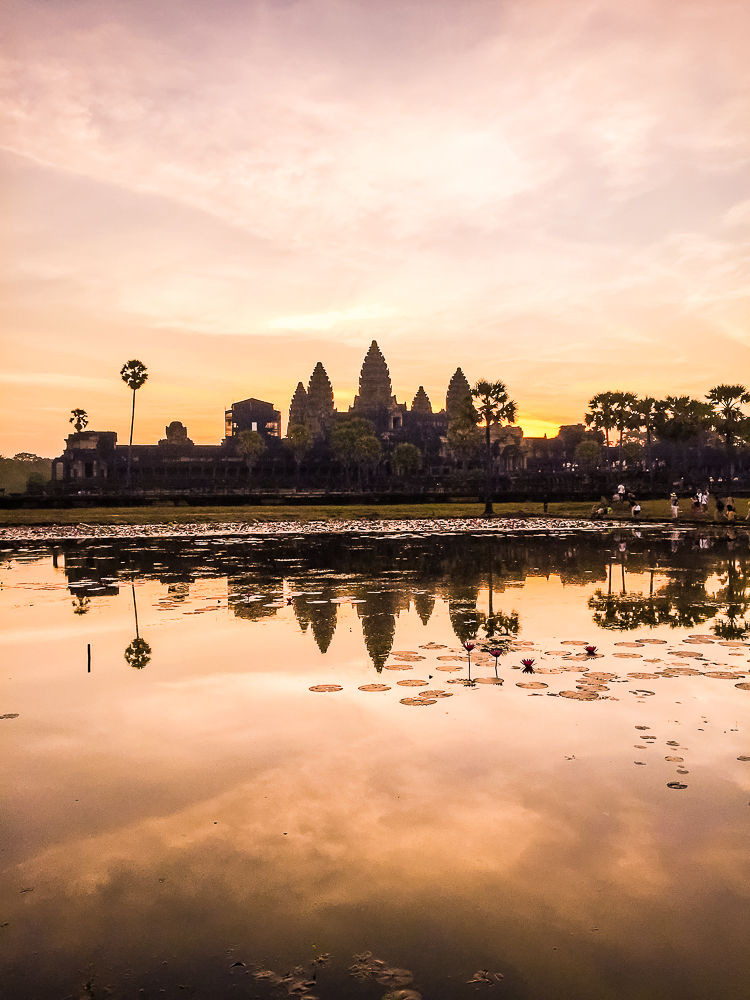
column 374, row 381
column 421, row 402
column 458, row 391
column 298, row 405
column 320, row 392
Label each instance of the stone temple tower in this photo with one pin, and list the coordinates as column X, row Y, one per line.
column 375, row 392
column 458, row 392
column 319, row 411
column 421, row 402
column 298, row 406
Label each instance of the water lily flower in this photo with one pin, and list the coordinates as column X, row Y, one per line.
column 590, row 650
column 496, row 653
column 468, row 646
column 528, row 665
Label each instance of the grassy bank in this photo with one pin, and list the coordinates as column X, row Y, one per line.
column 653, row 510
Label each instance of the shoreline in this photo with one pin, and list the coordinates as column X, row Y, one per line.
column 393, row 527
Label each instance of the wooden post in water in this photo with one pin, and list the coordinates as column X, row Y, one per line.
column 88, row 650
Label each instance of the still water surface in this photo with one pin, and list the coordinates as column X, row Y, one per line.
column 189, row 819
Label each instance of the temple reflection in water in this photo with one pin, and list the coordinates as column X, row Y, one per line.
column 641, row 580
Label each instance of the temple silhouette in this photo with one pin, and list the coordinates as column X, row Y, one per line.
column 94, row 462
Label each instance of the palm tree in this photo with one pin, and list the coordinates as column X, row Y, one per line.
column 79, row 419
column 602, row 415
column 494, row 405
column 646, row 412
column 681, row 419
column 726, row 401
column 623, row 404
column 133, row 375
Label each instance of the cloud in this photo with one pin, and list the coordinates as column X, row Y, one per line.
column 509, row 179
column 327, row 320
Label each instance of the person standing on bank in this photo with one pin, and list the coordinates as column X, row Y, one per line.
column 675, row 504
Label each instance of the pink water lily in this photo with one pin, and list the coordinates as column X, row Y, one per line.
column 590, row 650
column 468, row 646
column 528, row 665
column 496, row 653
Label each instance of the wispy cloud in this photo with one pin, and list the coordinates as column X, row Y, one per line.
column 509, row 178
column 334, row 317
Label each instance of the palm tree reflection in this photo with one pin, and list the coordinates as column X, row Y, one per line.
column 138, row 653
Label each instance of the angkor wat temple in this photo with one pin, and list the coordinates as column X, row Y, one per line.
column 375, row 402
column 95, row 462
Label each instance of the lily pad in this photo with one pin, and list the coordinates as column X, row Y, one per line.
column 536, row 685
column 374, row 687
column 488, row 680
column 412, row 682
column 326, row 687
column 418, row 701
column 675, row 784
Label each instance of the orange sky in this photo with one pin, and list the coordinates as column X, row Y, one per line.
column 549, row 192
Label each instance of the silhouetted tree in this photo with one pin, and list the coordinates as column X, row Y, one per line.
column 494, row 406
column 623, row 408
column 729, row 420
column 79, row 419
column 251, row 446
column 134, row 375
column 407, row 458
column 601, row 415
column 299, row 439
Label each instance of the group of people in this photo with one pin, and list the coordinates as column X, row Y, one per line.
column 604, row 507
column 726, row 509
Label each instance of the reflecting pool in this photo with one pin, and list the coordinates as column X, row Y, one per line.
column 258, row 767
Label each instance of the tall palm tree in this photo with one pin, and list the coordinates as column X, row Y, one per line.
column 602, row 415
column 494, row 405
column 646, row 411
column 623, row 404
column 133, row 375
column 726, row 401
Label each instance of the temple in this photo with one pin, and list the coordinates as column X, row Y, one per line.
column 93, row 461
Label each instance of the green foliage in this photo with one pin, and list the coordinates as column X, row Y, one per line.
column 464, row 438
column 633, row 451
column 588, row 453
column 407, row 458
column 493, row 404
column 354, row 441
column 134, row 374
column 729, row 420
column 602, row 415
column 15, row 473
column 251, row 446
column 299, row 439
column 681, row 419
column 79, row 418
column 138, row 654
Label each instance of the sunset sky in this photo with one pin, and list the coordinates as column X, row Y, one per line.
column 549, row 192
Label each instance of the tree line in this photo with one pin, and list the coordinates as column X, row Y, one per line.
column 679, row 420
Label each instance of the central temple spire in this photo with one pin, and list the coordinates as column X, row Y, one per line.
column 375, row 392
